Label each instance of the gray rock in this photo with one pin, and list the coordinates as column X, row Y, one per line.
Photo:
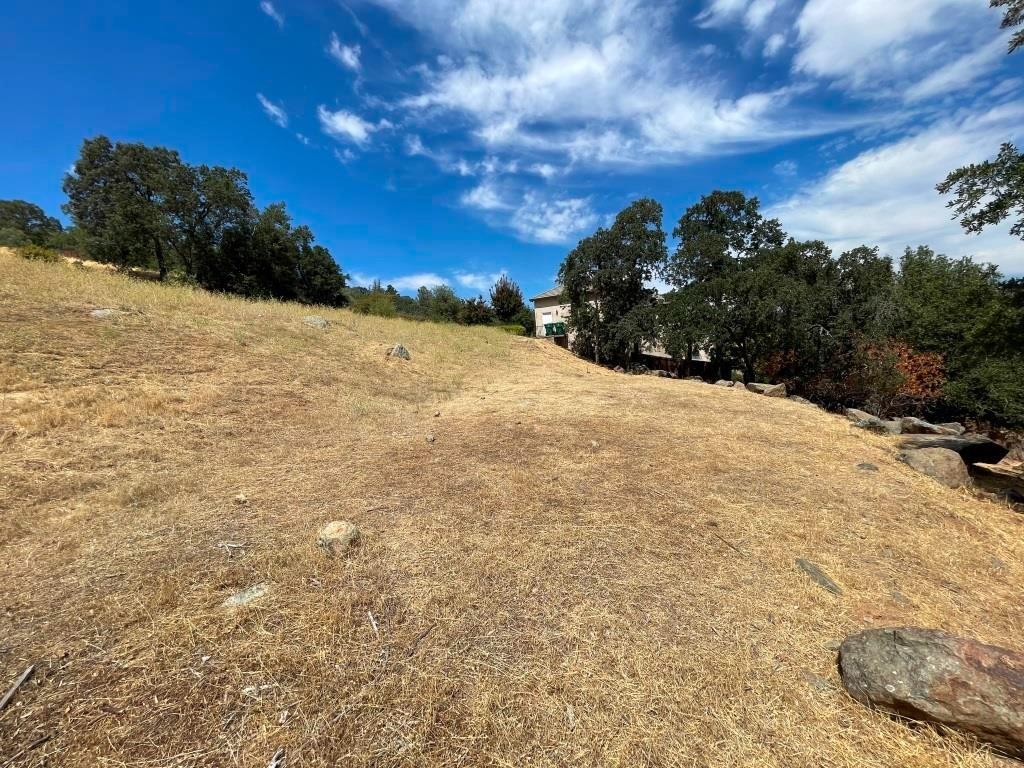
column 974, row 449
column 316, row 321
column 247, row 595
column 866, row 466
column 105, row 314
column 930, row 676
column 399, row 351
column 816, row 681
column 723, row 383
column 912, row 426
column 619, row 369
column 818, row 576
column 940, row 464
column 855, row 414
column 337, row 537
column 801, row 400
column 955, row 427
column 1000, row 477
column 659, row 373
column 768, row 390
column 876, row 425
column 431, row 439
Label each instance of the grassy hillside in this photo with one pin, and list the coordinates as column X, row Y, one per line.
column 582, row 569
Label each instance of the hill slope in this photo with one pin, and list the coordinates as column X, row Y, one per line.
column 583, row 568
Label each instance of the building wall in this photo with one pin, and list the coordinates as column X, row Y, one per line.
column 559, row 313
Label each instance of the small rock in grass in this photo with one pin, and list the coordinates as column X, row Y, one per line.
column 399, row 351
column 316, row 321
column 337, row 537
column 105, row 314
column 247, row 595
column 800, row 400
column 816, row 681
column 867, row 466
column 241, row 499
column 818, row 576
column 723, row 383
column 437, row 414
column 431, row 438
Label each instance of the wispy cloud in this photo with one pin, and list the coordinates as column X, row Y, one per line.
column 347, row 126
column 346, row 55
column 402, row 283
column 886, row 195
column 481, row 282
column 274, row 111
column 268, row 8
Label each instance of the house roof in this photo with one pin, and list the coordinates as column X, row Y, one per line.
column 552, row 293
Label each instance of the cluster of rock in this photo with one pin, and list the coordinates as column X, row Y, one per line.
column 951, row 455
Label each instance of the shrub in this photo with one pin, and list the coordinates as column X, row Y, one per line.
column 894, row 379
column 375, row 303
column 37, row 253
column 513, row 328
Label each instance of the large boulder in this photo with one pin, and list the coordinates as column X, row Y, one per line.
column 940, row 464
column 400, row 352
column 928, row 675
column 955, row 427
column 768, row 390
column 1003, row 477
column 973, row 449
column 912, row 426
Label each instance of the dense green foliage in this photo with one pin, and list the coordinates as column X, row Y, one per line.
column 442, row 305
column 937, row 335
column 28, row 220
column 140, row 206
column 606, row 279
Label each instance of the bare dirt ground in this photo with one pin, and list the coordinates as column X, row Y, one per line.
column 583, row 568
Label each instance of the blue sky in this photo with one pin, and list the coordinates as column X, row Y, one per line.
column 452, row 140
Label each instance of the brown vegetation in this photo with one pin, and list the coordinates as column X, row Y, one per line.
column 582, row 569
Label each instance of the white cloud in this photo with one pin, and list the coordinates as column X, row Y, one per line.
column 773, row 45
column 595, row 81
column 302, row 138
column 344, row 156
column 416, row 281
column 347, row 126
column 554, row 221
column 485, row 197
column 346, row 55
column 274, row 111
column 786, row 168
column 960, row 73
column 886, row 196
column 479, row 281
column 881, row 47
column 545, row 170
column 402, row 283
column 268, row 8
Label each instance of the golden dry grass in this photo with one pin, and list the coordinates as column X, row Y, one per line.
column 583, row 569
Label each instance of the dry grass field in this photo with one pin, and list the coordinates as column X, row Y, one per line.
column 583, row 569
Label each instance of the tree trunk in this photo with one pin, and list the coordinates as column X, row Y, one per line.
column 161, row 264
column 689, row 359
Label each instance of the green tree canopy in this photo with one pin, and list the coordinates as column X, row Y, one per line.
column 606, row 280
column 28, row 219
column 507, row 300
